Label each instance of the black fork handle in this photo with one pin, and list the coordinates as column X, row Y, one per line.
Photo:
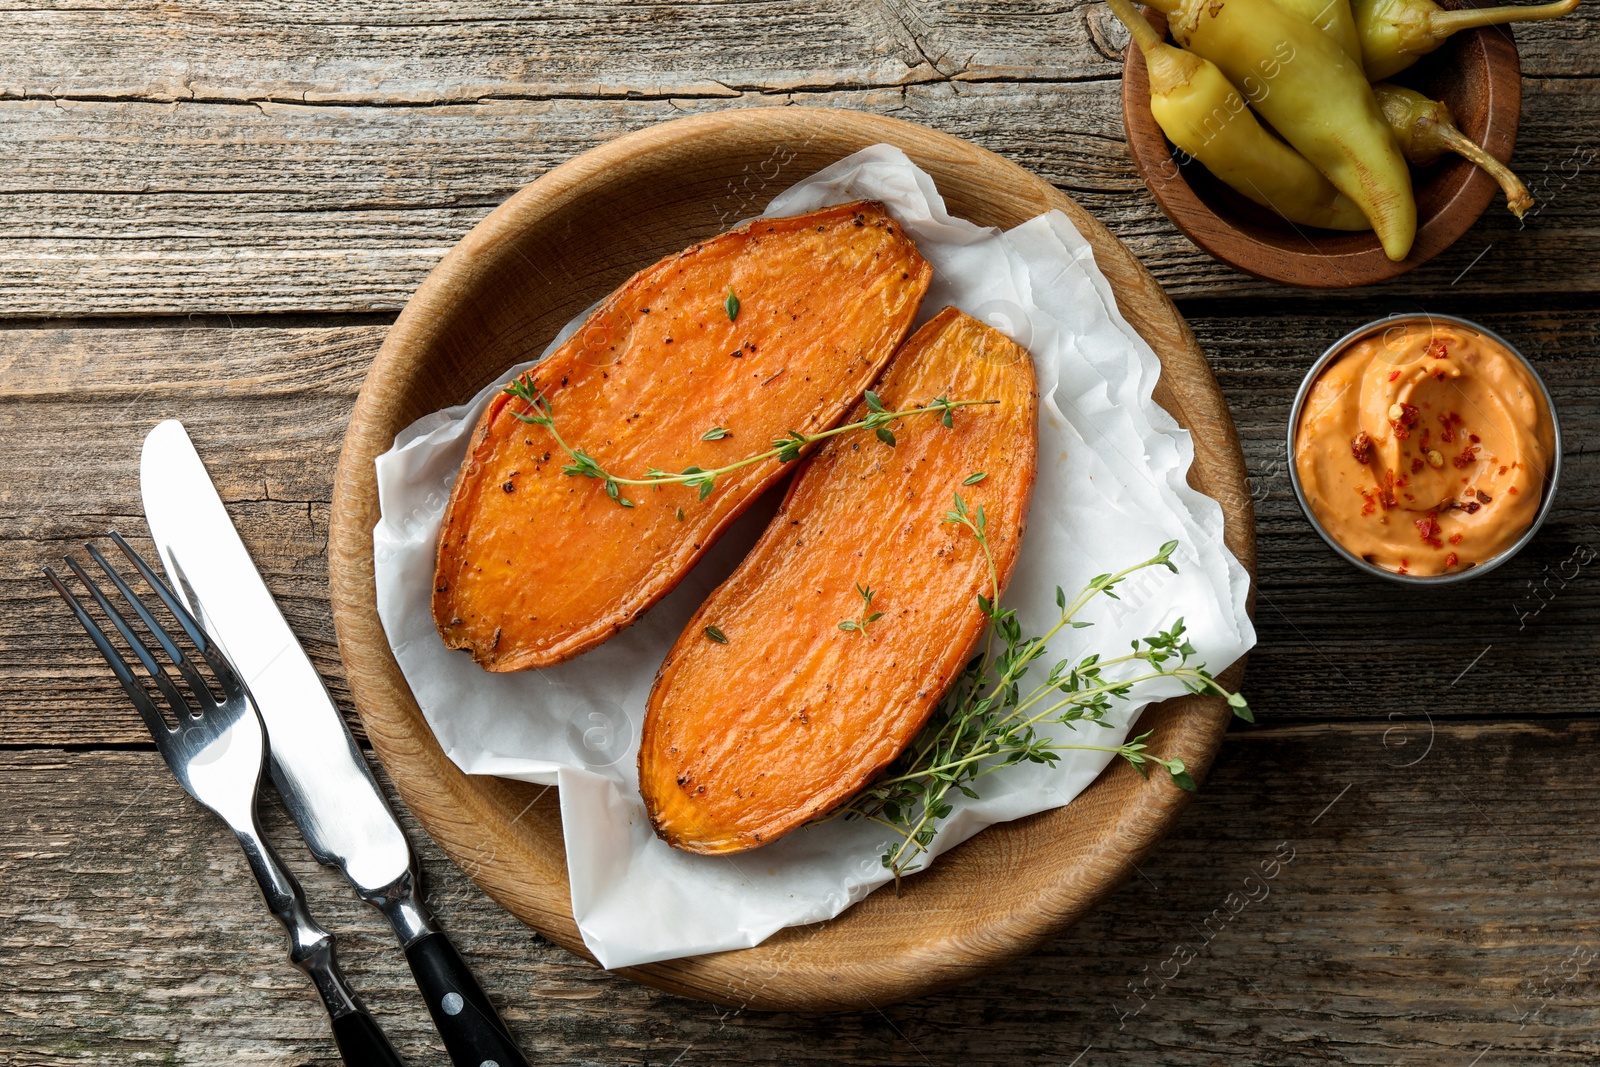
column 361, row 1041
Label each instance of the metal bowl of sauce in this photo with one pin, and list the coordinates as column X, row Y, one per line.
column 1425, row 449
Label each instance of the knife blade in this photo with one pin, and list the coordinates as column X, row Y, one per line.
column 326, row 785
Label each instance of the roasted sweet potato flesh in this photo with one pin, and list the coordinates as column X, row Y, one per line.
column 744, row 741
column 536, row 566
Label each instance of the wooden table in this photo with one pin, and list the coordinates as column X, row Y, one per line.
column 213, row 211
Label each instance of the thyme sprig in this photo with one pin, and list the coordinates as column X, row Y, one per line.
column 786, row 448
column 988, row 721
column 859, row 623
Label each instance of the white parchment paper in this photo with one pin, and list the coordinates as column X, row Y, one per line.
column 1110, row 491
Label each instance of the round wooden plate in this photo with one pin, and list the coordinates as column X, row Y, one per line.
column 540, row 258
column 1477, row 73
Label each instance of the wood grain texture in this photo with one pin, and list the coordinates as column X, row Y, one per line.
column 1426, row 914
column 548, row 253
column 407, row 53
column 400, row 52
column 120, row 207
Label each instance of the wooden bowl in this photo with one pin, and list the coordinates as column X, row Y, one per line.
column 1477, row 73
column 540, row 258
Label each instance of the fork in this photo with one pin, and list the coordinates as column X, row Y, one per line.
column 214, row 747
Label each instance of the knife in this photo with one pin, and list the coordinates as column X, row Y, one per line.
column 326, row 786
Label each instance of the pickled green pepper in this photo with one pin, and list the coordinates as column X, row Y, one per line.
column 1203, row 114
column 1314, row 95
column 1426, row 130
column 1332, row 17
column 1396, row 33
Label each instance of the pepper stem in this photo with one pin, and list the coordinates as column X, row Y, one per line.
column 1170, row 68
column 1144, row 35
column 1447, row 136
column 1442, row 24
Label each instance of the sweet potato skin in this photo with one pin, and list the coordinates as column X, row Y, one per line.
column 535, row 566
column 747, row 740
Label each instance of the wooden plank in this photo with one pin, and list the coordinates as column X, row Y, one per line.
column 267, row 408
column 111, row 208
column 1319, row 903
column 406, row 53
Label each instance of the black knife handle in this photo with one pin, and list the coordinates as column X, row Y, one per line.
column 473, row 1032
column 362, row 1044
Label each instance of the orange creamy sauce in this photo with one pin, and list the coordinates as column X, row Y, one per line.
column 1423, row 448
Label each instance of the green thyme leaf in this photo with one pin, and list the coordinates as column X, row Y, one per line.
column 989, row 719
column 714, row 634
column 974, row 478
column 732, row 305
column 716, row 433
column 860, row 623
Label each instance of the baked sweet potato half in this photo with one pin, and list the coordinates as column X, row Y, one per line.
column 778, row 325
column 768, row 712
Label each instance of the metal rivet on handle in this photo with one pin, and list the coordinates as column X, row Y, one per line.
column 452, row 1003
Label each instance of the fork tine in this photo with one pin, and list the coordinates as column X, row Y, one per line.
column 130, row 683
column 202, row 691
column 180, row 707
column 186, row 620
column 167, row 644
column 220, row 666
column 135, row 642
